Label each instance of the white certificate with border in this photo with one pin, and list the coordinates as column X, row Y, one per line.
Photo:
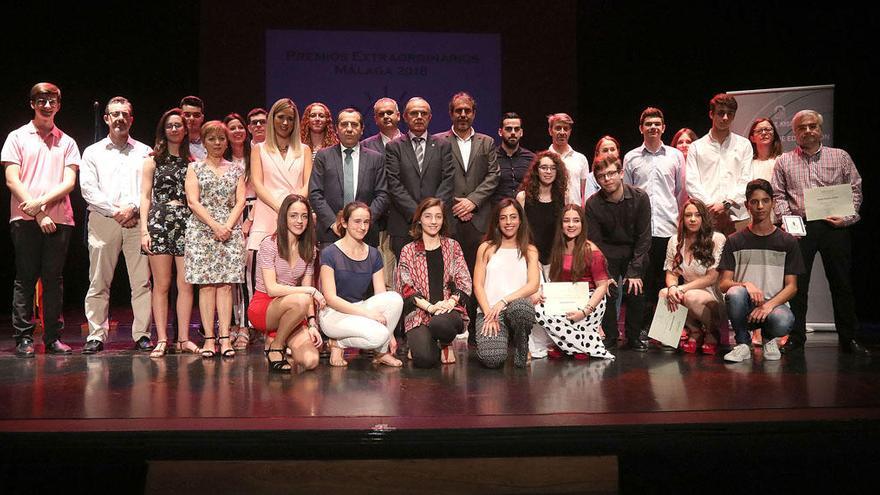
column 562, row 297
column 829, row 201
column 667, row 325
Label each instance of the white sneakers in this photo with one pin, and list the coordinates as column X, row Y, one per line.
column 771, row 350
column 739, row 353
column 743, row 352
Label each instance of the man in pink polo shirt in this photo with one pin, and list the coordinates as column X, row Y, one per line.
column 40, row 163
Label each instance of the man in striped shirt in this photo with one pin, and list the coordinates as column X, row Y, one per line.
column 808, row 166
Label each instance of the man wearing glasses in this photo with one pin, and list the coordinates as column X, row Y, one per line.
column 513, row 158
column 193, row 110
column 619, row 222
column 719, row 165
column 110, row 180
column 808, row 166
column 257, row 125
column 40, row 164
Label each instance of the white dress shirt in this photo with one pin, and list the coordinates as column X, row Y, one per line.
column 464, row 146
column 110, row 176
column 720, row 171
column 578, row 168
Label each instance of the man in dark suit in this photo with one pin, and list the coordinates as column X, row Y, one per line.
column 417, row 166
column 387, row 116
column 344, row 173
column 476, row 177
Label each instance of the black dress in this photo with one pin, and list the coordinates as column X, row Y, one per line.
column 166, row 222
column 543, row 218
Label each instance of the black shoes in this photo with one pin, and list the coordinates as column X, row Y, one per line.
column 855, row 348
column 638, row 345
column 93, row 346
column 25, row 348
column 610, row 343
column 143, row 344
column 57, row 347
column 792, row 347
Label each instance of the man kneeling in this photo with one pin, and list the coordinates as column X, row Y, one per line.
column 759, row 268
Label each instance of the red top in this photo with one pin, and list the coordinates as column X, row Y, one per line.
column 595, row 271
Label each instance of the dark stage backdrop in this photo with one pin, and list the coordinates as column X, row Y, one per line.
column 601, row 61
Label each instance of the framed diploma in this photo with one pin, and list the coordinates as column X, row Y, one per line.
column 667, row 325
column 794, row 225
column 829, row 201
column 562, row 297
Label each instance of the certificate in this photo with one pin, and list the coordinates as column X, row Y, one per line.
column 562, row 297
column 667, row 325
column 829, row 201
column 794, row 225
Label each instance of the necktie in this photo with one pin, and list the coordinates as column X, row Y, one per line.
column 348, row 173
column 420, row 151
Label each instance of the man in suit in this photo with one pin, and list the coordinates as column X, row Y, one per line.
column 387, row 117
column 345, row 173
column 476, row 177
column 417, row 166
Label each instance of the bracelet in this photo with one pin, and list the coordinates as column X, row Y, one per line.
column 311, row 317
column 584, row 313
column 591, row 308
column 505, row 302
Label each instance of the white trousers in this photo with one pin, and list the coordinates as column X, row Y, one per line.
column 362, row 332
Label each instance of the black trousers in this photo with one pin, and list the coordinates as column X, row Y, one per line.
column 38, row 256
column 635, row 304
column 655, row 276
column 467, row 234
column 423, row 338
column 835, row 246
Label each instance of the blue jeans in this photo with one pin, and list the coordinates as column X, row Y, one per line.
column 778, row 323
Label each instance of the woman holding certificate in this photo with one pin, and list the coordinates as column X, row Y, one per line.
column 505, row 276
column 576, row 259
column 433, row 279
column 693, row 254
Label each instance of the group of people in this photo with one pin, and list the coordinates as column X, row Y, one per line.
column 420, row 238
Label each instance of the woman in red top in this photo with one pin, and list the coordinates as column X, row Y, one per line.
column 576, row 259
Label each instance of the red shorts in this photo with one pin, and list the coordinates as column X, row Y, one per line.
column 257, row 312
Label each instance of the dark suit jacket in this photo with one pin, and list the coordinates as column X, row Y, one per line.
column 325, row 189
column 478, row 183
column 407, row 187
column 374, row 142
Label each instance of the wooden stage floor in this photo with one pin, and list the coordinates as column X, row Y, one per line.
column 124, row 406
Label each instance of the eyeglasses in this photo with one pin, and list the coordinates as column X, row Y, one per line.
column 258, row 122
column 607, row 175
column 763, row 130
column 547, row 168
column 174, row 126
column 118, row 114
column 42, row 102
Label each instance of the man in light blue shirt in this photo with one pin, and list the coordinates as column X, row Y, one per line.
column 658, row 170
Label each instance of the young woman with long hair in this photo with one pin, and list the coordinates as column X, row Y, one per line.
column 542, row 196
column 692, row 255
column 506, row 275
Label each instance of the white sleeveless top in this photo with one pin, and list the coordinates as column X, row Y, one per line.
column 506, row 271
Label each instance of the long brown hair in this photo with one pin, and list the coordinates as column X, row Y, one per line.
column 160, row 146
column 531, row 183
column 493, row 232
column 703, row 246
column 581, row 245
column 415, row 229
column 307, row 241
column 775, row 148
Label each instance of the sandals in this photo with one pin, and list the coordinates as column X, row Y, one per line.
column 241, row 340
column 228, row 353
column 279, row 366
column 334, row 347
column 447, row 354
column 192, row 348
column 160, row 350
column 387, row 359
column 208, row 352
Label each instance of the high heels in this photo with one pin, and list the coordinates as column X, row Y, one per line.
column 280, row 365
column 208, row 352
column 229, row 351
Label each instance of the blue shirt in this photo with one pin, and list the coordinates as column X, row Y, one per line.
column 661, row 175
column 353, row 278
